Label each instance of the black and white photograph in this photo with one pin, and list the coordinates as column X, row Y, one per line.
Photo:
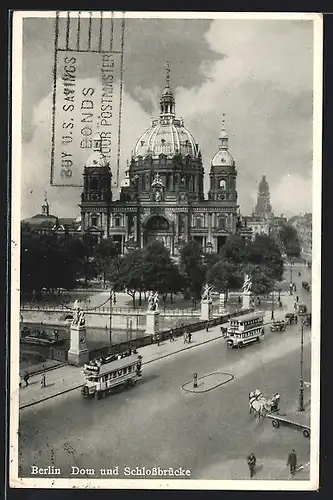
column 165, row 250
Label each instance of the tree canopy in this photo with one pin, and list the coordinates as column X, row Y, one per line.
column 192, row 267
column 289, row 241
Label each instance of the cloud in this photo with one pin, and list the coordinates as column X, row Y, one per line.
column 292, row 195
column 36, row 157
column 263, row 84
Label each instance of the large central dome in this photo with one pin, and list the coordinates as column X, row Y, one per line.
column 166, row 135
column 169, row 137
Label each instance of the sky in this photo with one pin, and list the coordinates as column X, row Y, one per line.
column 259, row 73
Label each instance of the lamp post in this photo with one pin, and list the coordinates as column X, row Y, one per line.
column 272, row 315
column 301, row 382
column 110, row 316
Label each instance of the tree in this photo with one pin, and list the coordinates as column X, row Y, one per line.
column 192, row 267
column 262, row 281
column 225, row 276
column 264, row 251
column 234, row 249
column 160, row 272
column 127, row 273
column 289, row 241
column 104, row 252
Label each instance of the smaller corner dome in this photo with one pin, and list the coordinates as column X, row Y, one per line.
column 223, row 158
column 97, row 159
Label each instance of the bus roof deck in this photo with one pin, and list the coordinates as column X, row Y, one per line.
column 117, row 364
column 248, row 317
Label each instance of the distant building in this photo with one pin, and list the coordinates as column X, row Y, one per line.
column 303, row 226
column 46, row 223
column 263, row 220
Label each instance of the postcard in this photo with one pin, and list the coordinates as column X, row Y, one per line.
column 165, row 258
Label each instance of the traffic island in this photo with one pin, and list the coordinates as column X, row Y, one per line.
column 208, row 382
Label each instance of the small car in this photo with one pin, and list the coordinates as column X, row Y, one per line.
column 302, row 309
column 278, row 326
column 290, row 318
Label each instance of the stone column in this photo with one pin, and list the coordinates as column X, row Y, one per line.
column 126, row 226
column 78, row 353
column 135, row 222
column 209, row 215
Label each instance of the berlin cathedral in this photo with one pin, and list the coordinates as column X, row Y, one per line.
column 162, row 196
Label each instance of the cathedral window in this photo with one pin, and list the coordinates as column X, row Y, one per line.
column 94, row 220
column 221, row 222
column 198, row 222
column 94, row 184
column 222, row 184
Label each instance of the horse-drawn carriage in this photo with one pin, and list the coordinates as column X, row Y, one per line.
column 261, row 405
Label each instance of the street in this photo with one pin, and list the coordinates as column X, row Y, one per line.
column 157, row 423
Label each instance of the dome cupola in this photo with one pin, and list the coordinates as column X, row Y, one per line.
column 223, row 157
column 167, row 135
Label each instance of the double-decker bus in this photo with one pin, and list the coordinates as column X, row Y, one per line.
column 245, row 329
column 104, row 374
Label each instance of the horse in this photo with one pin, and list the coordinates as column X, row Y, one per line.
column 259, row 403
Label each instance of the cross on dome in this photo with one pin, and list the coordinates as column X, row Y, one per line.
column 167, row 75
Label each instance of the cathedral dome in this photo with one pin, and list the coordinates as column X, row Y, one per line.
column 166, row 135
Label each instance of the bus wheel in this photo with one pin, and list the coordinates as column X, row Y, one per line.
column 240, row 345
column 306, row 433
column 98, row 395
column 258, row 339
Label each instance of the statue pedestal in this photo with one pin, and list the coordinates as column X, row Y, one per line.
column 78, row 353
column 206, row 310
column 152, row 322
column 247, row 300
column 222, row 309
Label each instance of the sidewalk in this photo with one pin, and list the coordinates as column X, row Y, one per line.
column 67, row 378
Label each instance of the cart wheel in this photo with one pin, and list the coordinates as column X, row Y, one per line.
column 306, row 433
column 275, row 424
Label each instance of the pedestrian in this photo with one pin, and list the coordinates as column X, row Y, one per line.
column 26, row 378
column 185, row 337
column 43, row 380
column 158, row 339
column 171, row 336
column 251, row 462
column 258, row 301
column 292, row 461
column 189, row 337
column 207, row 326
column 297, row 298
column 296, row 319
column 295, row 306
column 239, row 300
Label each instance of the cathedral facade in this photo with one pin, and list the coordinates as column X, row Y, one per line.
column 162, row 197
